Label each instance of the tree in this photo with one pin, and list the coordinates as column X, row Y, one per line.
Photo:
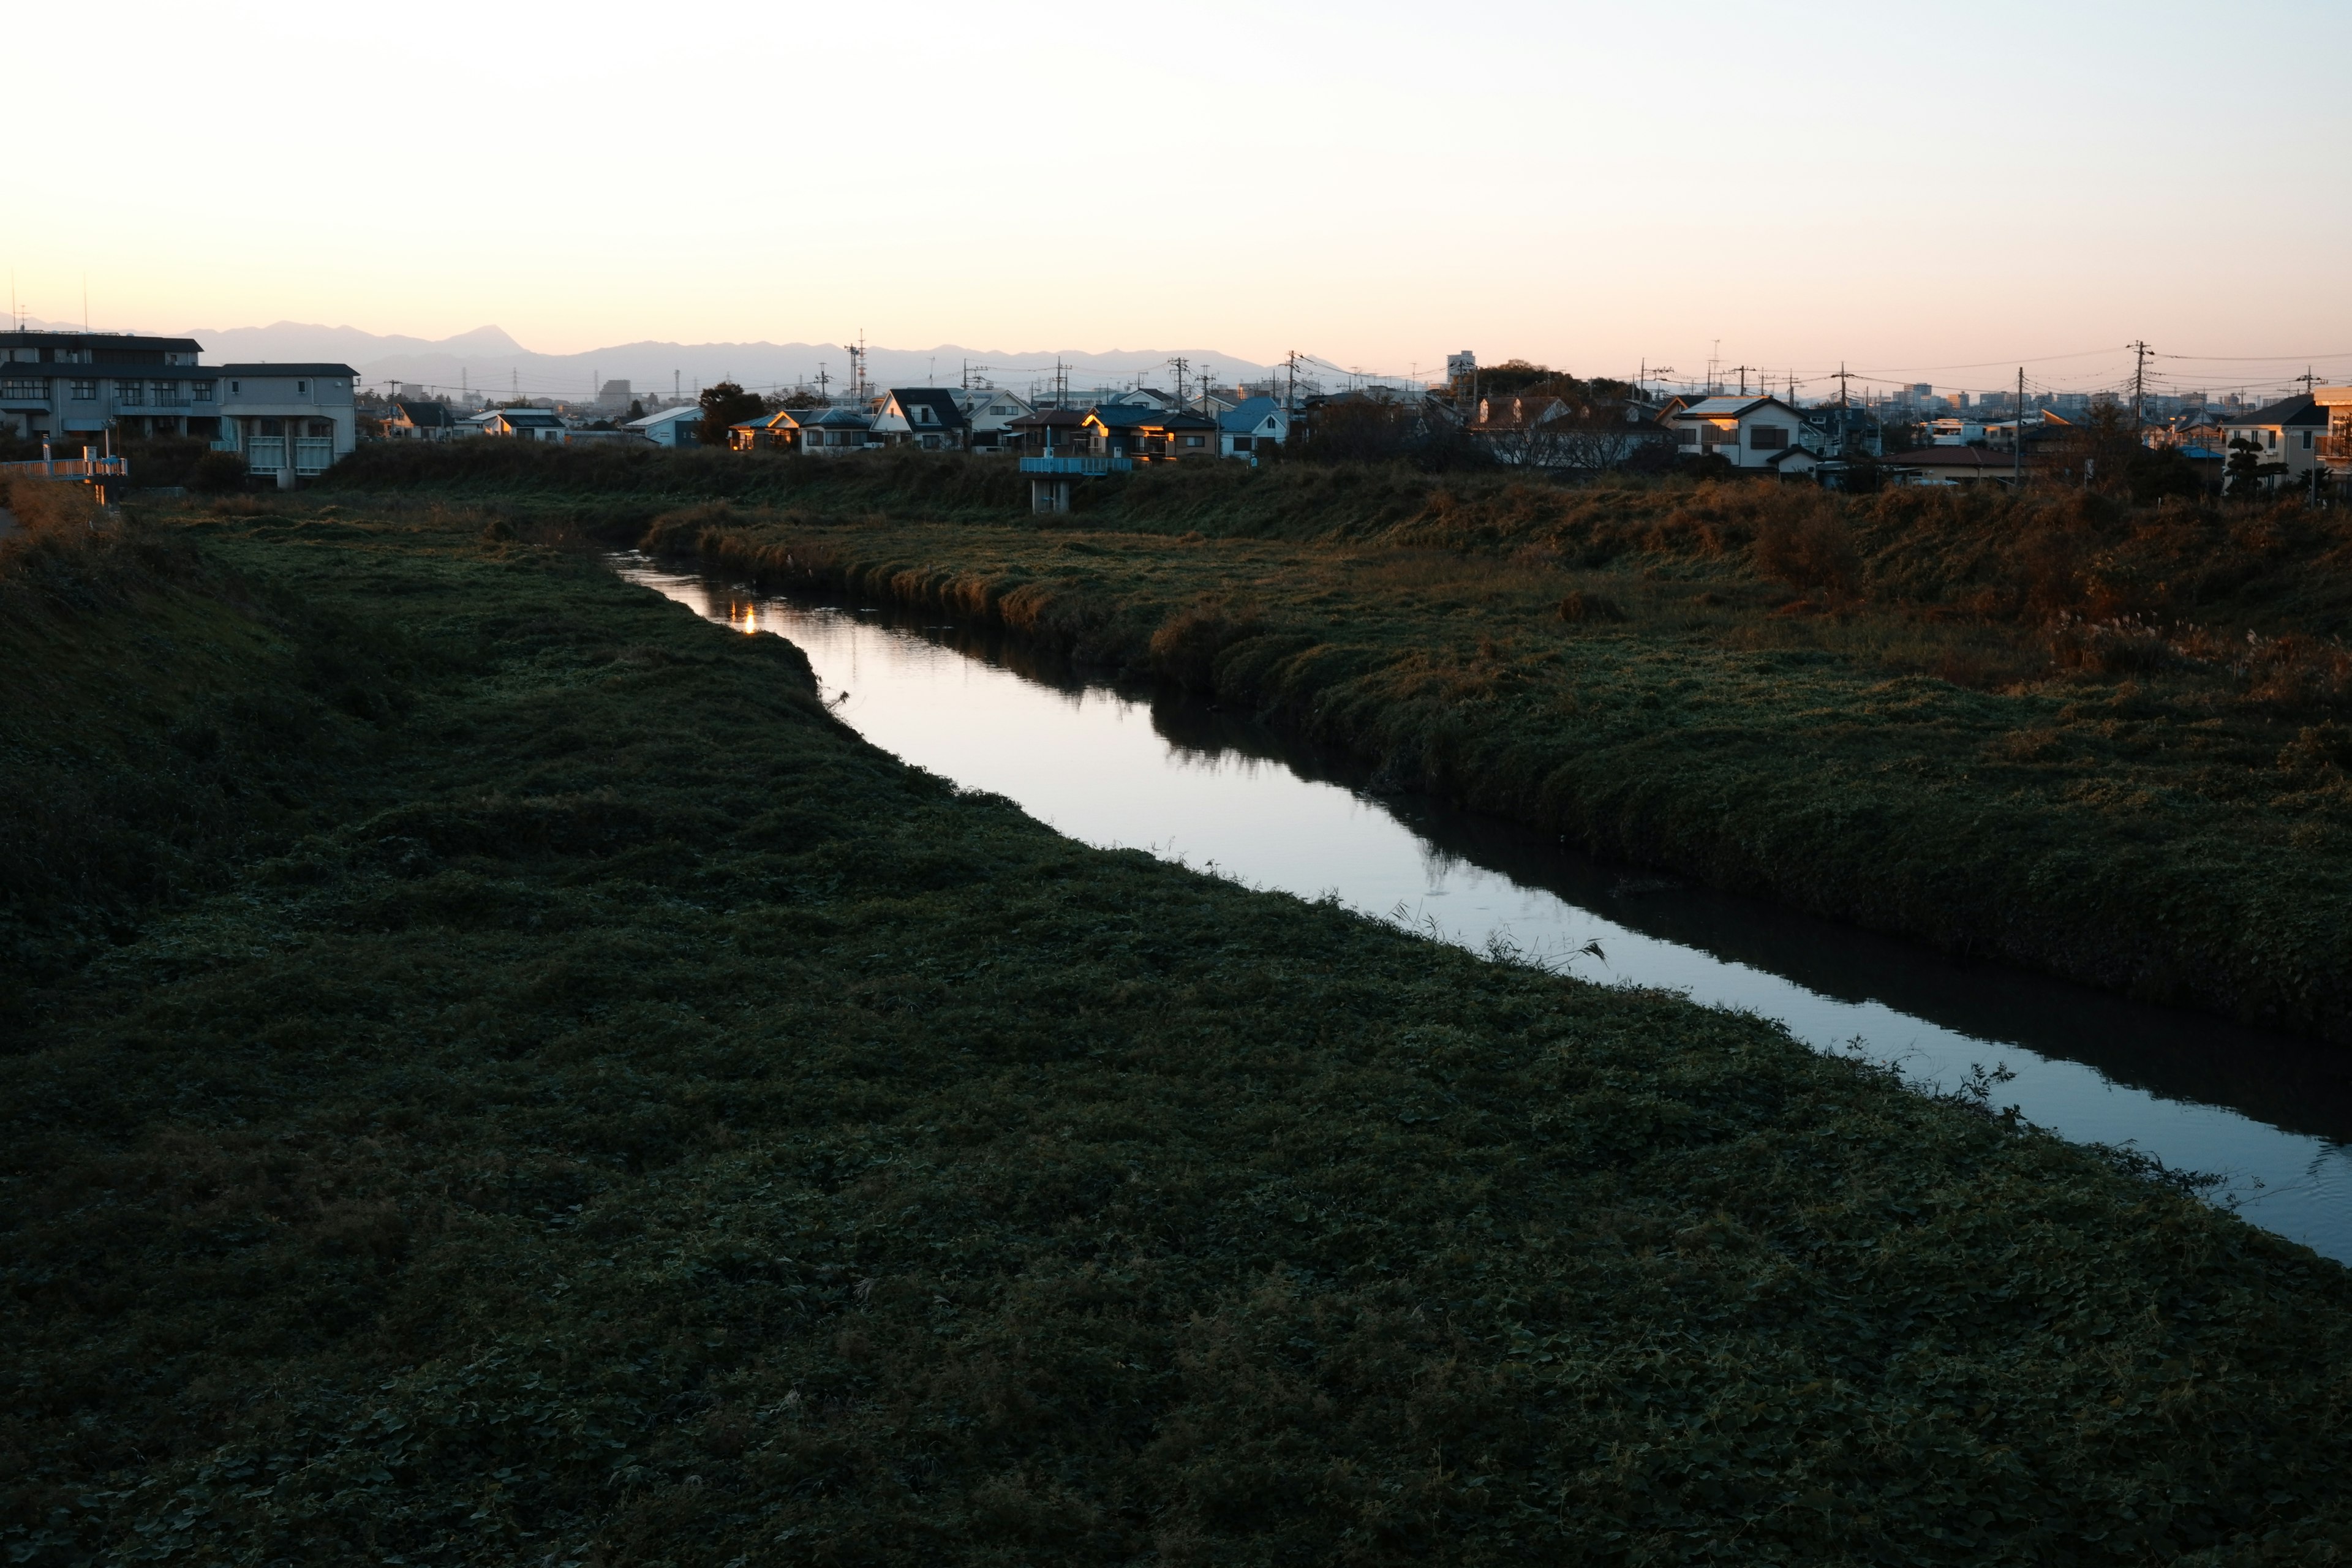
column 2247, row 470
column 725, row 406
column 637, row 408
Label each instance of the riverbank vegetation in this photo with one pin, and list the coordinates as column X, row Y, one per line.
column 2110, row 740
column 600, row 1111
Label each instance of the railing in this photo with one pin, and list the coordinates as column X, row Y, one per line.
column 71, row 469
column 1090, row 467
column 2336, row 449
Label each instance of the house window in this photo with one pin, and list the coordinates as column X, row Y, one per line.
column 1192, row 440
column 2307, row 440
column 165, row 392
column 301, row 389
column 129, row 393
column 203, row 391
column 1686, row 436
column 24, row 388
column 85, row 392
column 1767, row 437
column 323, row 430
column 236, row 388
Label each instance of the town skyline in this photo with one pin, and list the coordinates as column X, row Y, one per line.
column 1605, row 191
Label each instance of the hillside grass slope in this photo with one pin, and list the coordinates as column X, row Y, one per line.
column 608, row 1113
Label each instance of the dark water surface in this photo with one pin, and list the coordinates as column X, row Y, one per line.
column 2270, row 1114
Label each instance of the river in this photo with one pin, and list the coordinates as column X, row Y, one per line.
column 2270, row 1115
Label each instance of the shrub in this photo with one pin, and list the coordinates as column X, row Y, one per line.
column 1809, row 552
column 218, row 473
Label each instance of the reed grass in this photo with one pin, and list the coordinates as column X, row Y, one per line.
column 624, row 1118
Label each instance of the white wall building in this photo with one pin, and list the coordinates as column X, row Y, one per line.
column 75, row 389
column 290, row 420
column 1751, row 432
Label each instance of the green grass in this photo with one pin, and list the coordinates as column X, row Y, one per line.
column 2113, row 745
column 612, row 1115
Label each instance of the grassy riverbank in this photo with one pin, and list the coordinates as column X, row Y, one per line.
column 2115, row 744
column 602, row 1111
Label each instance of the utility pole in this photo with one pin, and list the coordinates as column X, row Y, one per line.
column 2017, row 437
column 2306, row 378
column 2139, row 385
column 1841, row 375
column 824, row 380
column 1291, row 361
column 1742, row 371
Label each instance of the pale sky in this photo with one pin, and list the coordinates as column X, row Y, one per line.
column 1935, row 193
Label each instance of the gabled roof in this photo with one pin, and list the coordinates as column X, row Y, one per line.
column 2301, row 409
column 781, row 419
column 1730, row 407
column 683, row 411
column 1123, row 415
column 837, row 419
column 425, row 415
column 945, row 415
column 1184, row 419
column 1247, row 414
column 537, row 419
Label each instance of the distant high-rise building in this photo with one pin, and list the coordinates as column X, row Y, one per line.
column 613, row 395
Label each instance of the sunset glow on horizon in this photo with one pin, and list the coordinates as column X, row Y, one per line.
column 1600, row 188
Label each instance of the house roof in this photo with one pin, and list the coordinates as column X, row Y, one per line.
column 425, row 415
column 1247, row 414
column 1954, row 457
column 837, row 419
column 99, row 342
column 1123, row 415
column 939, row 399
column 1184, row 419
column 683, row 411
column 1048, row 418
column 2301, row 409
column 1730, row 407
column 538, row 418
column 264, row 372
column 781, row 419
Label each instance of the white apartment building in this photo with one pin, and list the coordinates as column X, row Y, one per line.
column 290, row 420
column 78, row 389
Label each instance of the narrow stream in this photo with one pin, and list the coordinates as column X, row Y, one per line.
column 2269, row 1114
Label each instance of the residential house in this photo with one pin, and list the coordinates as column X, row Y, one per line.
column 519, row 424
column 1047, row 432
column 1180, row 432
column 292, row 420
column 670, row 427
column 1117, row 429
column 924, row 416
column 2291, row 432
column 833, row 432
column 70, row 388
column 1846, row 431
column 1143, row 397
column 1955, row 466
column 992, row 412
column 777, row 432
column 407, row 419
column 1750, row 432
column 2335, row 446
column 1253, row 425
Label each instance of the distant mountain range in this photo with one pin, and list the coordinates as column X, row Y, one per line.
column 487, row 360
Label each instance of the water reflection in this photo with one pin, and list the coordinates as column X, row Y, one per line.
column 1145, row 769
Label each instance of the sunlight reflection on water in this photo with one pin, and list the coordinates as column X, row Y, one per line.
column 1101, row 766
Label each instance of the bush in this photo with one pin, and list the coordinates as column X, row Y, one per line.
column 218, row 473
column 1809, row 552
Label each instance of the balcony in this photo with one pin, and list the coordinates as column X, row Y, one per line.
column 1087, row 468
column 2336, row 448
